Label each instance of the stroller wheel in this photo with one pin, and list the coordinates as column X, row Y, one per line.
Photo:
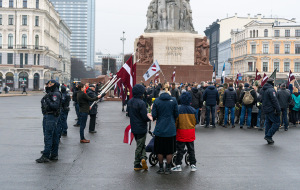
column 187, row 159
column 153, row 160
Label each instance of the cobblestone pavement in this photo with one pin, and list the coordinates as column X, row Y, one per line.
column 226, row 158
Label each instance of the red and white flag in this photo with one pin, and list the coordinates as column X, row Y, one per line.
column 156, row 78
column 265, row 79
column 127, row 74
column 258, row 77
column 154, row 68
column 291, row 78
column 237, row 79
column 128, row 135
column 173, row 76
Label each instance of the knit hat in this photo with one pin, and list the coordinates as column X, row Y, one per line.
column 246, row 85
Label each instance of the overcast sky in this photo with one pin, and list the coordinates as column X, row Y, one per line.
column 114, row 16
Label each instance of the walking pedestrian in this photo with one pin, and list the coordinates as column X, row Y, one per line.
column 165, row 111
column 185, row 124
column 271, row 109
column 211, row 98
column 229, row 99
column 139, row 117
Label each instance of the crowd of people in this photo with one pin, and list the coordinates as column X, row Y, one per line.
column 178, row 108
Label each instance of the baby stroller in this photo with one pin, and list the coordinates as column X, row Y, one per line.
column 153, row 159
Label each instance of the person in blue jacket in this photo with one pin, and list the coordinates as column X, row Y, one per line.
column 138, row 114
column 165, row 111
column 211, row 98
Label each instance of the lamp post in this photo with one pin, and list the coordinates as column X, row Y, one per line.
column 123, row 39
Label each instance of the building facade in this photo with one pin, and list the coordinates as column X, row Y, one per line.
column 80, row 17
column 100, row 56
column 224, row 55
column 220, row 31
column 266, row 46
column 64, row 52
column 29, row 42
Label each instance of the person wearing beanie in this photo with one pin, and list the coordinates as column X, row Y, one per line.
column 248, row 99
column 284, row 98
column 296, row 108
column 271, row 108
column 139, row 117
column 185, row 125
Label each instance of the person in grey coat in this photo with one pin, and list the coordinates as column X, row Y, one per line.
column 284, row 98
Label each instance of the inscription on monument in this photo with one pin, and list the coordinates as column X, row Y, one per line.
column 174, row 51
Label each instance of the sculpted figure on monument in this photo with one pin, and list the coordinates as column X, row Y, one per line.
column 202, row 52
column 144, row 51
column 170, row 15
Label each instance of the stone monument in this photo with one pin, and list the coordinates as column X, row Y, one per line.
column 170, row 38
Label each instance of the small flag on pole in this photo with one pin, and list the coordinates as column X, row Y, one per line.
column 265, row 79
column 156, row 78
column 152, row 71
column 291, row 78
column 273, row 75
column 258, row 77
column 223, row 75
column 237, row 79
column 173, row 76
column 128, row 135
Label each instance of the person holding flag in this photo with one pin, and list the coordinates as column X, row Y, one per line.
column 139, row 117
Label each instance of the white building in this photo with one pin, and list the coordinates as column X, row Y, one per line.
column 29, row 42
column 64, row 52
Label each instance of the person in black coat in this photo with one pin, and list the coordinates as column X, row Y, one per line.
column 247, row 107
column 197, row 100
column 229, row 99
column 74, row 98
column 94, row 110
column 174, row 92
column 271, row 109
column 211, row 98
column 284, row 98
column 139, row 117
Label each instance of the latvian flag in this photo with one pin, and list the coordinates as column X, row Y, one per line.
column 173, row 75
column 291, row 78
column 156, row 78
column 127, row 75
column 265, row 79
column 128, row 135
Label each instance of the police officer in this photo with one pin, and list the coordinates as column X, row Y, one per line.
column 94, row 110
column 271, row 109
column 63, row 117
column 51, row 105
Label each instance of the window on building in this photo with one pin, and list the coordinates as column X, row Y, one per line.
column 0, row 3
column 11, row 3
column 38, row 61
column 287, row 48
column 297, row 48
column 250, row 66
column 36, row 42
column 26, row 58
column 287, row 33
column 24, row 20
column 277, row 33
column 266, row 33
column 0, row 58
column 265, row 66
column 34, row 59
column 24, row 3
column 10, row 19
column 37, row 18
column 265, row 48
column 253, row 33
column 10, row 58
column 297, row 33
column 64, row 67
column 0, row 19
column 286, row 66
column 253, row 49
column 37, row 4
column 297, row 66
column 0, row 41
column 250, row 34
column 257, row 33
column 276, row 49
column 24, row 41
column 276, row 66
column 21, row 60
column 10, row 41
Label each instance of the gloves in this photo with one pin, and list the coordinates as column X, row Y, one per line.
column 104, row 94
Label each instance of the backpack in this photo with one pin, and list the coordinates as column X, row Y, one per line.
column 248, row 98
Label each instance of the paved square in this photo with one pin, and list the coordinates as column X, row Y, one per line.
column 226, row 158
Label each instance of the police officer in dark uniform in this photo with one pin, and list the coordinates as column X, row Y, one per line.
column 63, row 117
column 94, row 110
column 51, row 106
column 271, row 109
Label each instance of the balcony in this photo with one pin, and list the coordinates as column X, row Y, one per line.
column 25, row 47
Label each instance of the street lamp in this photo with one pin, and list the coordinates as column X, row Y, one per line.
column 123, row 39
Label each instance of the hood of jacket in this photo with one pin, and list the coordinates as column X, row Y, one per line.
column 267, row 86
column 63, row 88
column 164, row 96
column 230, row 89
column 211, row 87
column 296, row 94
column 186, row 99
column 194, row 90
column 138, row 91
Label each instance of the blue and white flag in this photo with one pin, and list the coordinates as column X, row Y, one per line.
column 223, row 75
